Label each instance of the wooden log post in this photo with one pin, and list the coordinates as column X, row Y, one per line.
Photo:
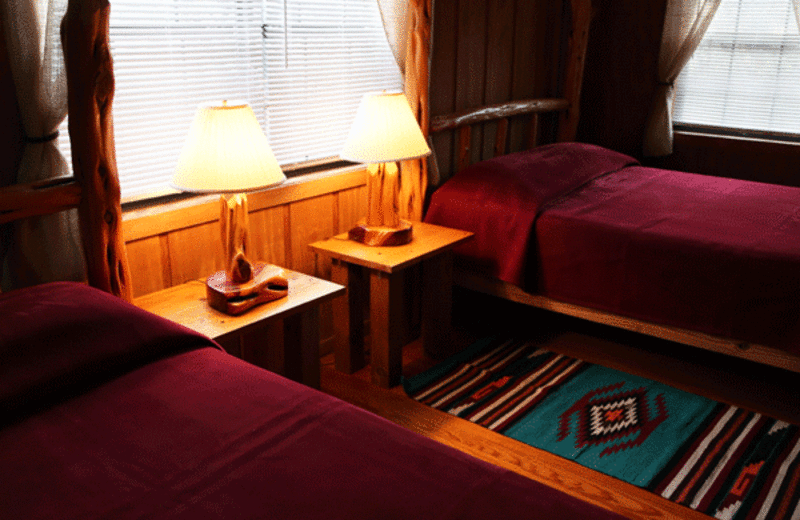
column 581, row 12
column 90, row 83
column 414, row 174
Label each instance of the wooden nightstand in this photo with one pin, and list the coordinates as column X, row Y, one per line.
column 298, row 314
column 373, row 272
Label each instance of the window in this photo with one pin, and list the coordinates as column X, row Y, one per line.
column 303, row 66
column 744, row 77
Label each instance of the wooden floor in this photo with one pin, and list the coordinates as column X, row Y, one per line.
column 759, row 388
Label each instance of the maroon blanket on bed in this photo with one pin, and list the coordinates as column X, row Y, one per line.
column 167, row 425
column 499, row 201
column 714, row 255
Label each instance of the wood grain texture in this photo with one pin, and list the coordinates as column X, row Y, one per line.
column 382, row 236
column 490, row 53
column 443, row 81
column 499, row 38
column 581, row 17
column 310, row 220
column 38, row 198
column 532, row 463
column 414, row 174
column 165, row 218
column 186, row 304
column 267, row 242
column 265, row 284
column 728, row 346
column 348, row 316
column 12, row 133
column 429, row 240
column 351, row 207
column 149, row 264
column 497, row 111
column 90, row 83
column 195, row 252
column 385, row 309
column 471, row 65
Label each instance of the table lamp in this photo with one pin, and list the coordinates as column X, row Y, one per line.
column 227, row 152
column 384, row 132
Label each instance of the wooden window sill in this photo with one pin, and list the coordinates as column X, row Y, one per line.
column 164, row 217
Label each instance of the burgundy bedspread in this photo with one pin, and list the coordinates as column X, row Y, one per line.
column 714, row 255
column 158, row 422
column 499, row 201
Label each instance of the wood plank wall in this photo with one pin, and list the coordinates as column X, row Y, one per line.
column 618, row 90
column 490, row 52
column 180, row 241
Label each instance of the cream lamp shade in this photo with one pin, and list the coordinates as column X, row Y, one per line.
column 226, row 151
column 384, row 130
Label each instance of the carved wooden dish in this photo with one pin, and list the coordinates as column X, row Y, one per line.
column 269, row 283
column 380, row 235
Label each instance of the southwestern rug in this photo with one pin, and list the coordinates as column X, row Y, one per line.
column 717, row 459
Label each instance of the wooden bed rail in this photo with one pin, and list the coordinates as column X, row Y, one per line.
column 567, row 107
column 468, row 279
column 501, row 112
column 94, row 190
column 35, row 199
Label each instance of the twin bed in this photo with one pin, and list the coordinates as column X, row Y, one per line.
column 111, row 412
column 578, row 229
column 108, row 411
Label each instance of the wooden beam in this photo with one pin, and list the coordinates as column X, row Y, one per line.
column 752, row 352
column 497, row 111
column 90, row 83
column 34, row 199
column 464, row 142
column 581, row 12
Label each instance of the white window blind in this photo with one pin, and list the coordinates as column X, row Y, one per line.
column 303, row 66
column 745, row 75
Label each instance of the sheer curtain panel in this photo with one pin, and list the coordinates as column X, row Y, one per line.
column 685, row 23
column 302, row 65
column 43, row 248
column 744, row 78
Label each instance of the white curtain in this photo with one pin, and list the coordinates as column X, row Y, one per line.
column 46, row 248
column 395, row 20
column 796, row 4
column 685, row 23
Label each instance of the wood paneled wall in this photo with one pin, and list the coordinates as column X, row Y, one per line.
column 621, row 72
column 176, row 242
column 618, row 90
column 489, row 52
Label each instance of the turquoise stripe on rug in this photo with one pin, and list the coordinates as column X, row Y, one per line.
column 715, row 458
column 625, row 426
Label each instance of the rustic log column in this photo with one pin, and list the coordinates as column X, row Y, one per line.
column 414, row 174
column 581, row 12
column 90, row 82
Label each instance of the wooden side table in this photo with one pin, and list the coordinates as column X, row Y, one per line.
column 299, row 312
column 374, row 272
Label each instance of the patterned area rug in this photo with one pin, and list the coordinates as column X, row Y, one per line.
column 715, row 458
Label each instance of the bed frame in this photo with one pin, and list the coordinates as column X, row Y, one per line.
column 94, row 188
column 566, row 107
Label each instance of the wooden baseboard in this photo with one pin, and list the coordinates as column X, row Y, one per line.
column 752, row 352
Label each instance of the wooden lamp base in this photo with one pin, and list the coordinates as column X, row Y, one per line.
column 267, row 284
column 381, row 235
